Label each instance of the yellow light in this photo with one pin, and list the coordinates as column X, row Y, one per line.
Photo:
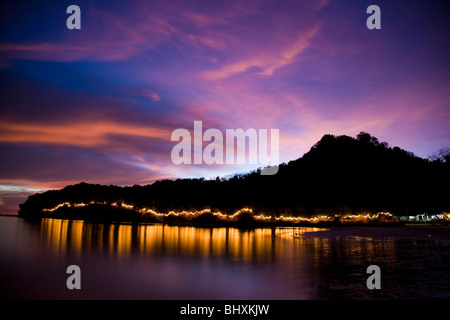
column 227, row 217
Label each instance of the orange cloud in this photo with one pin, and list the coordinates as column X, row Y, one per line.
column 84, row 134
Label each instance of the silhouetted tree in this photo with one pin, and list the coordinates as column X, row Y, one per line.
column 442, row 155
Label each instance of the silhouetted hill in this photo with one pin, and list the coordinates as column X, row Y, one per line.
column 339, row 175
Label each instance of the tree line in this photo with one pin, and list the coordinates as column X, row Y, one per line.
column 339, row 175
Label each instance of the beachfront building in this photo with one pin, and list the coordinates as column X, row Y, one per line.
column 425, row 217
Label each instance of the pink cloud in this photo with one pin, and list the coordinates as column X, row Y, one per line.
column 152, row 95
column 266, row 60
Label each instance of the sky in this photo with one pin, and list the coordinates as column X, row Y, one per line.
column 100, row 104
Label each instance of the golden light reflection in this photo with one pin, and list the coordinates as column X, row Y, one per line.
column 76, row 238
column 64, row 236
column 124, row 239
column 55, row 232
column 242, row 246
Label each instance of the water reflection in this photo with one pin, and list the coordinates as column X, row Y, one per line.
column 280, row 246
column 340, row 265
column 75, row 237
column 173, row 262
column 303, row 266
column 355, row 249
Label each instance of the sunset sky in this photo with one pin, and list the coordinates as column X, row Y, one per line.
column 100, row 104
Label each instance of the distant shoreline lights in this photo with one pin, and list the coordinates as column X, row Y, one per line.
column 227, row 217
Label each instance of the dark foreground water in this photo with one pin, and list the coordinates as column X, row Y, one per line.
column 120, row 261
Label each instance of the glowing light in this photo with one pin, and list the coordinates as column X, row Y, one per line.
column 65, row 204
column 188, row 215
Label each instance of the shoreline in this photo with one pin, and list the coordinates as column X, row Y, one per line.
column 419, row 235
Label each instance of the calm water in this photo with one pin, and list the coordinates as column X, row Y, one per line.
column 120, row 261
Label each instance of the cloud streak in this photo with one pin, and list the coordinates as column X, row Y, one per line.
column 267, row 63
column 85, row 134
